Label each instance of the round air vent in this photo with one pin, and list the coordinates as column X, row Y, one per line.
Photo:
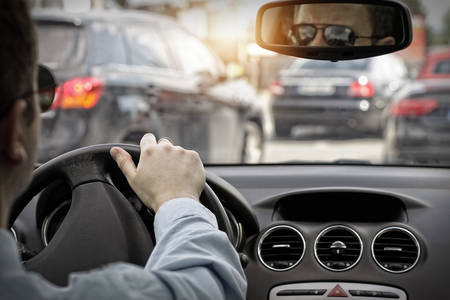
column 395, row 250
column 281, row 248
column 338, row 248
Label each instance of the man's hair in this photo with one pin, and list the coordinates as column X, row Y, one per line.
column 382, row 21
column 17, row 53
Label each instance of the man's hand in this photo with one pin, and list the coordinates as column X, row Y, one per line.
column 164, row 171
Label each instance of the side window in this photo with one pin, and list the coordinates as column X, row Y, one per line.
column 381, row 67
column 442, row 67
column 59, row 55
column 146, row 47
column 192, row 55
column 390, row 67
column 398, row 68
column 107, row 44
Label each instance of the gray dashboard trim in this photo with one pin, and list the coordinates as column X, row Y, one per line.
column 427, row 187
column 409, row 202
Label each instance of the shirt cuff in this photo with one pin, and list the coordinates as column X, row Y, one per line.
column 179, row 208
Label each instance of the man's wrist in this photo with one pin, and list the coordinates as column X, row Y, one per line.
column 162, row 199
column 180, row 208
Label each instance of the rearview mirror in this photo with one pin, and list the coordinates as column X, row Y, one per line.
column 334, row 29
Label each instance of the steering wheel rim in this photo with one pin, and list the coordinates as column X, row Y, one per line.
column 86, row 233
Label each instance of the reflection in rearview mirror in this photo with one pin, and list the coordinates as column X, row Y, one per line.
column 304, row 25
column 329, row 25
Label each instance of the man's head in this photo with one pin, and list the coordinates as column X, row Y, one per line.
column 359, row 22
column 19, row 109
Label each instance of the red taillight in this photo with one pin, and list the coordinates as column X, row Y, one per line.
column 79, row 93
column 276, row 88
column 413, row 107
column 361, row 89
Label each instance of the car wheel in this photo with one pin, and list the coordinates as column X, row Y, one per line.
column 253, row 146
column 282, row 131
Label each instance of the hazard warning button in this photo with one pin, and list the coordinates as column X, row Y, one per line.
column 337, row 291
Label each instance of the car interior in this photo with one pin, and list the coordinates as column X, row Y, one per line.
column 303, row 229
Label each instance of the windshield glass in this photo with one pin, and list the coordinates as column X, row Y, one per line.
column 192, row 72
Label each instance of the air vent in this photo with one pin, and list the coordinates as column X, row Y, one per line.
column 338, row 248
column 395, row 250
column 281, row 248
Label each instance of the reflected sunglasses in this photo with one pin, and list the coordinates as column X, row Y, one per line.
column 46, row 91
column 334, row 35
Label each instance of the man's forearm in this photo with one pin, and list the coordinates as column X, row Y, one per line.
column 192, row 260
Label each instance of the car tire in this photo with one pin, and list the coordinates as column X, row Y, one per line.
column 253, row 146
column 282, row 131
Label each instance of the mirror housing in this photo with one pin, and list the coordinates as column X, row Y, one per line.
column 283, row 22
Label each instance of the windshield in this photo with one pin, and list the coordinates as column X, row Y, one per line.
column 192, row 72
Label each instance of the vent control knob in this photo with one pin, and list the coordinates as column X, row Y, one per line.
column 338, row 247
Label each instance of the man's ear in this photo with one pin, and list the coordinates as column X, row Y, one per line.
column 12, row 134
column 387, row 41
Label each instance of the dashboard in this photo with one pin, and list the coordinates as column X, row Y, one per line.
column 357, row 232
column 314, row 231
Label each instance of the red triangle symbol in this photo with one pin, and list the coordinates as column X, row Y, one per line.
column 337, row 291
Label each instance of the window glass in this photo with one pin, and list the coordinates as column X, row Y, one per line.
column 399, row 68
column 442, row 67
column 60, row 46
column 162, row 61
column 385, row 67
column 193, row 56
column 108, row 46
column 146, row 47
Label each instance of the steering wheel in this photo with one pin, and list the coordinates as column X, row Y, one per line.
column 101, row 226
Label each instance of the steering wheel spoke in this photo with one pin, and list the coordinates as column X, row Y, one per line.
column 101, row 227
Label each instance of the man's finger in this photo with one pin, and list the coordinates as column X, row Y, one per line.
column 124, row 161
column 165, row 141
column 148, row 140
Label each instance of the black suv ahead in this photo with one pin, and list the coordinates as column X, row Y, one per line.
column 321, row 97
column 122, row 74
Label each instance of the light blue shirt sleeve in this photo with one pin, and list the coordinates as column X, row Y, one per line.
column 192, row 259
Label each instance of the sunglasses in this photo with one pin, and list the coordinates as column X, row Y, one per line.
column 46, row 92
column 334, row 35
column 46, row 88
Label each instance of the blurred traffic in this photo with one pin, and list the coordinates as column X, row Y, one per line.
column 312, row 97
column 119, row 82
column 418, row 125
column 191, row 71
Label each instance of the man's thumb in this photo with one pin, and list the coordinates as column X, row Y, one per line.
column 124, row 161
